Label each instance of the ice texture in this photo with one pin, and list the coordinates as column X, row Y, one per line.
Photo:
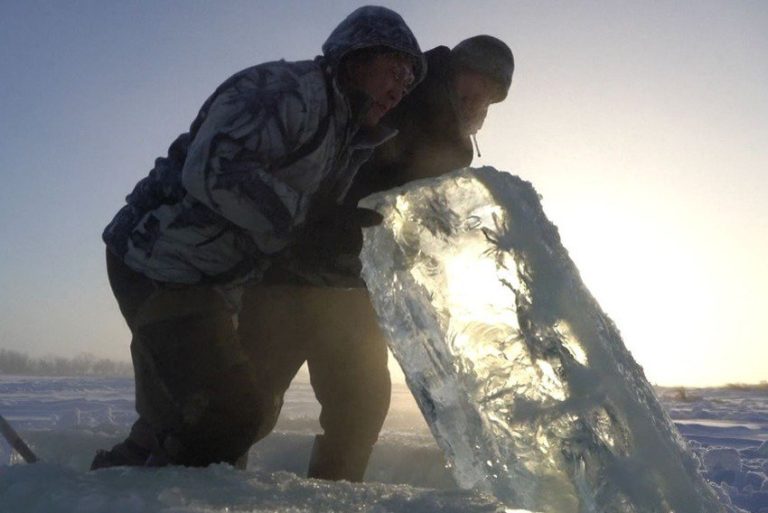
column 524, row 381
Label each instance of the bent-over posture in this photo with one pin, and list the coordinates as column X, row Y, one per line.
column 274, row 147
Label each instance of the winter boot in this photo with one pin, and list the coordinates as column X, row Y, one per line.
column 242, row 462
column 135, row 451
column 338, row 461
column 125, row 454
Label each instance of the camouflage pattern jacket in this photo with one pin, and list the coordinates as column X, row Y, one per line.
column 429, row 143
column 275, row 144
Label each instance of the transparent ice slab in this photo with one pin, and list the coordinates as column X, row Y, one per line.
column 523, row 379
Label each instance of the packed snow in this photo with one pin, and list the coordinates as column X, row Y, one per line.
column 66, row 419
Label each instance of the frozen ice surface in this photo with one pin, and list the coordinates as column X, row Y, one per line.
column 524, row 381
column 406, row 472
column 98, row 412
column 46, row 488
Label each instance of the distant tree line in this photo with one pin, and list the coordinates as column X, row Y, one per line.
column 84, row 364
column 751, row 387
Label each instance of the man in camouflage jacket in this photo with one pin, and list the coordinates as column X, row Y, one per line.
column 275, row 146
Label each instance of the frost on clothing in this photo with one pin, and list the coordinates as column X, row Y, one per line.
column 273, row 143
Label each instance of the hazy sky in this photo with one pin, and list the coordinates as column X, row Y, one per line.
column 644, row 126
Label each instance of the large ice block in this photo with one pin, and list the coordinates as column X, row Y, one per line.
column 523, row 379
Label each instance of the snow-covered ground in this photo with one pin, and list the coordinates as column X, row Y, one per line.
column 66, row 419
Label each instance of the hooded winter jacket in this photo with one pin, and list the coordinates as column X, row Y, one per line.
column 429, row 143
column 274, row 144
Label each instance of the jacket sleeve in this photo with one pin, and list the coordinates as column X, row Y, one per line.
column 248, row 132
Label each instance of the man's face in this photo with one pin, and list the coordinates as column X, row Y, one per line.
column 474, row 92
column 385, row 78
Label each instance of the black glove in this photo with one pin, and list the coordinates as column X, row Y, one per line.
column 367, row 218
column 327, row 250
column 340, row 231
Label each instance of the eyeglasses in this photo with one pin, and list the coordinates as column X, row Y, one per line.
column 403, row 75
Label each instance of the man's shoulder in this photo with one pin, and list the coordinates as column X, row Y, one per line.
column 438, row 56
column 282, row 67
column 428, row 105
column 304, row 78
column 439, row 71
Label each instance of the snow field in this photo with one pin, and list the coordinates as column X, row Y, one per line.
column 66, row 419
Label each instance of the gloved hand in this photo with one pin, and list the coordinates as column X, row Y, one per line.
column 336, row 232
column 340, row 231
column 327, row 249
column 367, row 217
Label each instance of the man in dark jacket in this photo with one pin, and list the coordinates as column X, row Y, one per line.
column 315, row 307
column 438, row 120
column 275, row 146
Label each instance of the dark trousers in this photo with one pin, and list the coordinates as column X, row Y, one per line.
column 336, row 332
column 200, row 398
column 206, row 390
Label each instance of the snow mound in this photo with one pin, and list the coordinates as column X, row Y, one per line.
column 47, row 488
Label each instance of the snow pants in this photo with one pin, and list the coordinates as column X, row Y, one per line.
column 208, row 387
column 336, row 332
column 199, row 397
